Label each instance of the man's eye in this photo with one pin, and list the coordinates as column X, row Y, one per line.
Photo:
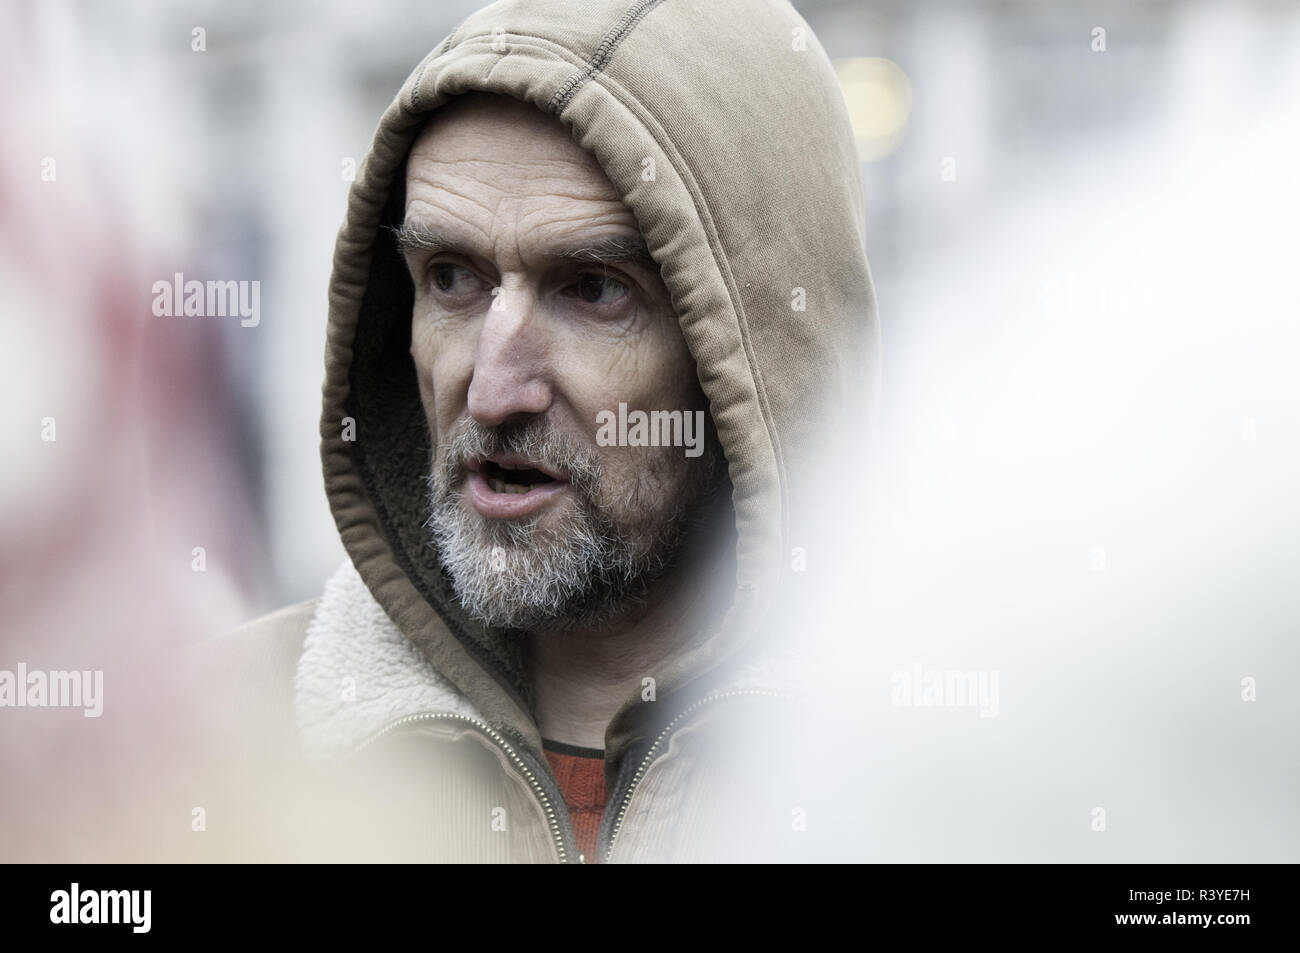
column 599, row 289
column 452, row 279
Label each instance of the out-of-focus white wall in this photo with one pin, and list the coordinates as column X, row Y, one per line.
column 1092, row 434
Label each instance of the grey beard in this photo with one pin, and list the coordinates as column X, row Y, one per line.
column 588, row 572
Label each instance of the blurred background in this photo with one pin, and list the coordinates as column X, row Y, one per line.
column 1082, row 227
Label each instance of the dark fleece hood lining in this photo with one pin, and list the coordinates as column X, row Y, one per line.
column 392, row 451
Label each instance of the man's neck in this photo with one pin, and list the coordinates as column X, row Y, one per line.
column 583, row 676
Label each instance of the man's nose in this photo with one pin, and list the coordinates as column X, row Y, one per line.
column 511, row 377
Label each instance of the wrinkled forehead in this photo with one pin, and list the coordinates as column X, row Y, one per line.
column 504, row 148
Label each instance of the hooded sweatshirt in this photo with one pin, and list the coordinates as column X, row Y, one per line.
column 721, row 124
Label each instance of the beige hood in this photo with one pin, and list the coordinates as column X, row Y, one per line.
column 755, row 194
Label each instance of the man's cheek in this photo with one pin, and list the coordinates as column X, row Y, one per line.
column 447, row 377
column 619, row 362
column 621, row 469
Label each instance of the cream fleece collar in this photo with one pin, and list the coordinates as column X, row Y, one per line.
column 358, row 673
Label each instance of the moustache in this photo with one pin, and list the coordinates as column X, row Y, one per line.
column 532, row 444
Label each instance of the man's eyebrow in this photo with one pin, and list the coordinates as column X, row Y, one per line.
column 614, row 250
column 416, row 236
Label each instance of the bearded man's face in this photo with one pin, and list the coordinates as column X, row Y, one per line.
column 538, row 312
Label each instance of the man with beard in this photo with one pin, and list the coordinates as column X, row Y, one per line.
column 537, row 307
column 543, row 648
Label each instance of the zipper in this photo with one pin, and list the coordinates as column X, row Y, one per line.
column 557, row 834
column 663, row 737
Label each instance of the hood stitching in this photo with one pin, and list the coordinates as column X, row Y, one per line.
column 604, row 50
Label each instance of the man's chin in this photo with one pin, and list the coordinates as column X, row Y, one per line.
column 542, row 591
column 551, row 572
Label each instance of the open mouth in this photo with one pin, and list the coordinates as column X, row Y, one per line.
column 518, row 480
column 507, row 487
